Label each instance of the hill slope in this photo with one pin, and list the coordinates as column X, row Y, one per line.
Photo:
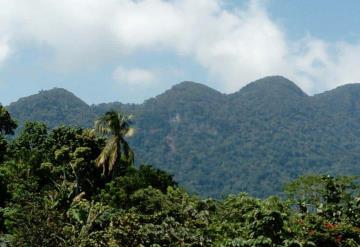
column 253, row 140
column 54, row 107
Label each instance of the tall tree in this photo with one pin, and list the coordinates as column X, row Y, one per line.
column 7, row 124
column 117, row 152
column 30, row 144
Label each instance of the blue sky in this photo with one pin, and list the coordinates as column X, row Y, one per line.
column 128, row 51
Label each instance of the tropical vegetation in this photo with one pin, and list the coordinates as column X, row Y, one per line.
column 255, row 140
column 70, row 186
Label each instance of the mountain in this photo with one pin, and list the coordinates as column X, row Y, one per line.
column 271, row 86
column 53, row 107
column 253, row 140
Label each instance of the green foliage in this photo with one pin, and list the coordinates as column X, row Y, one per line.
column 54, row 108
column 254, row 140
column 4, row 196
column 325, row 195
column 118, row 192
column 3, row 148
column 52, row 193
column 30, row 145
column 117, row 155
column 7, row 124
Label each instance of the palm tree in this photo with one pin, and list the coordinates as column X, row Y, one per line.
column 116, row 126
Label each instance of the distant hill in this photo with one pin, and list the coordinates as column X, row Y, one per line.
column 54, row 107
column 253, row 140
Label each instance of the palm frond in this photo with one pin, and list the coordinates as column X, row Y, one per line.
column 128, row 153
column 116, row 126
column 114, row 153
column 130, row 132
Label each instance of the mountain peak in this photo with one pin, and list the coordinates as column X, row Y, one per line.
column 276, row 86
column 57, row 105
column 345, row 98
column 190, row 85
column 53, row 93
column 56, row 90
column 188, row 90
column 351, row 88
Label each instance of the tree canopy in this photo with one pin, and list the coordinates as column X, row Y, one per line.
column 53, row 193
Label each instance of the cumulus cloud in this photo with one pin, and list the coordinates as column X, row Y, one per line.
column 320, row 65
column 134, row 76
column 77, row 32
column 234, row 46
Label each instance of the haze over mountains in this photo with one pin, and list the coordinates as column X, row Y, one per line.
column 253, row 140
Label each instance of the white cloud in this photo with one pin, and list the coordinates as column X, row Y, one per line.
column 321, row 65
column 77, row 31
column 4, row 50
column 235, row 46
column 135, row 76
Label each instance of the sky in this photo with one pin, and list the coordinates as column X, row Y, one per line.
column 131, row 50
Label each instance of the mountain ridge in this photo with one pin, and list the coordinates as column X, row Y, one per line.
column 253, row 140
column 190, row 84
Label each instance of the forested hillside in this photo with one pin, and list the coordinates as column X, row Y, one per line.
column 71, row 186
column 254, row 140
